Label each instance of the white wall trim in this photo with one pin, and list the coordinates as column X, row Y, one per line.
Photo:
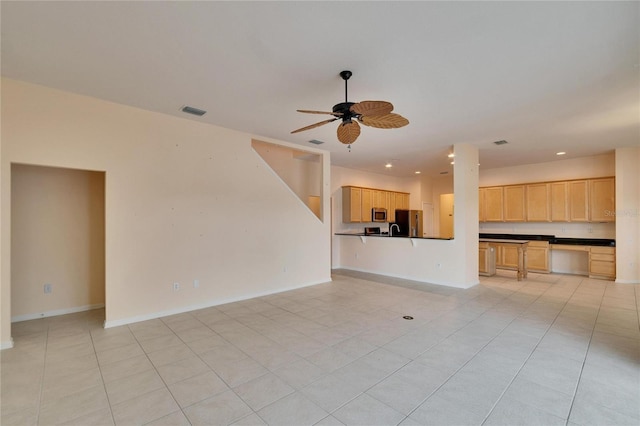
column 56, row 312
column 154, row 315
column 6, row 345
column 627, row 281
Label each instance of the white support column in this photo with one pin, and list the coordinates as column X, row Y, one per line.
column 627, row 215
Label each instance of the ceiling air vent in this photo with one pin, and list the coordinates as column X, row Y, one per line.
column 502, row 142
column 316, row 142
column 194, row 111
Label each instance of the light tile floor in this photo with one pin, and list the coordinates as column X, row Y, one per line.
column 553, row 349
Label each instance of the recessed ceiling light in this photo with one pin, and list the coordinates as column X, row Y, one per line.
column 388, row 165
column 194, row 111
column 451, row 155
column 560, row 153
column 417, row 172
column 453, row 162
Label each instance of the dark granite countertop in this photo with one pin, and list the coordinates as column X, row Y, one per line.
column 362, row 234
column 553, row 240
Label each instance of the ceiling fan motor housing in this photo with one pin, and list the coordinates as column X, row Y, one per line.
column 345, row 111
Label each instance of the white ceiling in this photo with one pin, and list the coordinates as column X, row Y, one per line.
column 545, row 76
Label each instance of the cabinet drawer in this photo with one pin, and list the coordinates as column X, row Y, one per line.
column 597, row 267
column 603, row 257
column 603, row 250
column 544, row 244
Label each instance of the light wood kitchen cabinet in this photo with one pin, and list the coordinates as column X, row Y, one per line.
column 514, row 203
column 391, row 212
column 559, row 201
column 538, row 256
column 367, row 204
column 602, row 262
column 404, row 202
column 579, row 201
column 538, row 203
column 357, row 203
column 507, row 256
column 481, row 215
column 486, row 259
column 351, row 204
column 380, row 199
column 602, row 202
column 493, row 204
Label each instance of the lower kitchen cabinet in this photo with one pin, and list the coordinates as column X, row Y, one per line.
column 507, row 257
column 486, row 259
column 538, row 256
column 602, row 262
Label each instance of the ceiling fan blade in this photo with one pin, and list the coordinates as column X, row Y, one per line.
column 307, row 111
column 348, row 132
column 321, row 123
column 372, row 108
column 386, row 121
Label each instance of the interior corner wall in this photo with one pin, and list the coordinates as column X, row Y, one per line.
column 184, row 201
column 627, row 215
column 57, row 239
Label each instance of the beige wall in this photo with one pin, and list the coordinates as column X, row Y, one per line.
column 58, row 239
column 300, row 170
column 184, row 201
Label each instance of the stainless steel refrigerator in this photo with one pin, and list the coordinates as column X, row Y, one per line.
column 409, row 222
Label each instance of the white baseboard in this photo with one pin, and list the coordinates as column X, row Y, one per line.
column 6, row 345
column 627, row 281
column 208, row 304
column 56, row 312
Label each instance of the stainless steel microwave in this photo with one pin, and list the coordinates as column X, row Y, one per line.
column 379, row 214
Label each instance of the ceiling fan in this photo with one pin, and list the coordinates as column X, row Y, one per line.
column 370, row 113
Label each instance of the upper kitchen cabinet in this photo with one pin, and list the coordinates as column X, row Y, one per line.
column 538, row 205
column 357, row 203
column 514, row 205
column 559, row 201
column 493, row 204
column 481, row 214
column 391, row 212
column 366, row 205
column 579, row 201
column 602, row 202
column 351, row 204
column 402, row 201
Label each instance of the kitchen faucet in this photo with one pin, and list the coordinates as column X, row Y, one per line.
column 391, row 229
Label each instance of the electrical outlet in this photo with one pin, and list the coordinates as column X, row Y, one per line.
column 439, row 265
column 357, row 255
column 285, row 269
column 48, row 289
column 176, row 286
column 196, row 283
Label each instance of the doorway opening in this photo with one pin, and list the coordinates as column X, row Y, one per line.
column 57, row 241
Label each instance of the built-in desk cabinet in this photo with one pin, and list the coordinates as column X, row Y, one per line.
column 538, row 256
column 578, row 201
column 602, row 262
column 559, row 203
column 583, row 200
column 602, row 202
column 514, row 203
column 538, row 202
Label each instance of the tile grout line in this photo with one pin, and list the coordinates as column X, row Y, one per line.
column 44, row 368
column 584, row 361
column 104, row 384
column 532, row 351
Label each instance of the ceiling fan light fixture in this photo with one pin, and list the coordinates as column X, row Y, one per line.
column 370, row 113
